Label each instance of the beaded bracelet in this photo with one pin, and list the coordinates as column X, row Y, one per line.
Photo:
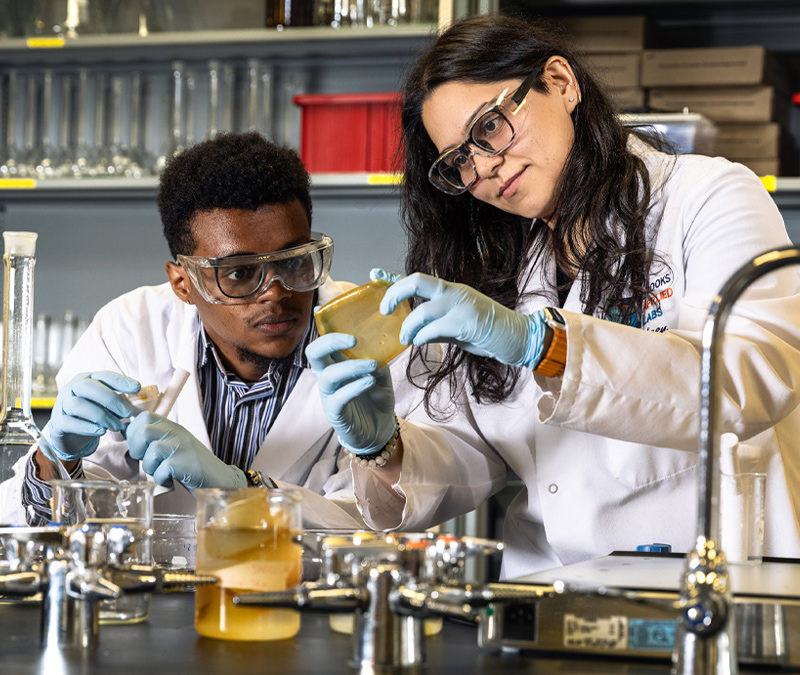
column 376, row 459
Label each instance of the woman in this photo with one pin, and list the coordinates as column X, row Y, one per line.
column 523, row 192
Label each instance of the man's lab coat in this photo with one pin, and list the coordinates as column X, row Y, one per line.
column 146, row 334
column 608, row 453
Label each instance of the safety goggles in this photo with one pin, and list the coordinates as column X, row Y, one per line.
column 454, row 171
column 240, row 279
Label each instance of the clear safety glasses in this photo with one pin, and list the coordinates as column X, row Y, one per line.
column 240, row 279
column 491, row 133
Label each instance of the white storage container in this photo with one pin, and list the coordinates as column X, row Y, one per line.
column 687, row 131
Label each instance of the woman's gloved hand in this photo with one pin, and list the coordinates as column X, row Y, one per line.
column 358, row 399
column 460, row 315
column 169, row 452
column 86, row 407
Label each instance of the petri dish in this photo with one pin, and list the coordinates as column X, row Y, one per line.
column 357, row 312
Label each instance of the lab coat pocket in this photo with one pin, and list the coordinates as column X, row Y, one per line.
column 636, row 465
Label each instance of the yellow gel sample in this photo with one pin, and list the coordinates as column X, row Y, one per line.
column 357, row 312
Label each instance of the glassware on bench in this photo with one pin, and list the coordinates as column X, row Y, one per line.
column 18, row 430
column 250, row 539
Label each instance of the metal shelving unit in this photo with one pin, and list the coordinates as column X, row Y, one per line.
column 298, row 42
column 347, row 184
column 87, row 189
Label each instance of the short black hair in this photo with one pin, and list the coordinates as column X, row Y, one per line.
column 230, row 171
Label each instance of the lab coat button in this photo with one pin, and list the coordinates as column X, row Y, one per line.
column 552, row 488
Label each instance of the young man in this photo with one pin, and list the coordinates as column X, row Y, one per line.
column 236, row 314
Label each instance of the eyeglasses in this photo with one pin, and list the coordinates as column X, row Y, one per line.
column 454, row 171
column 239, row 279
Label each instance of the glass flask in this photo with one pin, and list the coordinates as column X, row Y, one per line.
column 357, row 312
column 18, row 431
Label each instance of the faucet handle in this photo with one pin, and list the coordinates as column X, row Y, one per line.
column 309, row 597
column 20, row 584
column 86, row 583
column 706, row 594
column 147, row 579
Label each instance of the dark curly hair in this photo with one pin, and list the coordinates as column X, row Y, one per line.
column 231, row 171
column 603, row 198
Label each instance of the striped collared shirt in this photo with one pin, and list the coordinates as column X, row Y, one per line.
column 239, row 416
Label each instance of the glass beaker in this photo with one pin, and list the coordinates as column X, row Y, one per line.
column 174, row 541
column 112, row 505
column 357, row 312
column 18, row 431
column 742, row 513
column 221, row 97
column 250, row 539
column 258, row 98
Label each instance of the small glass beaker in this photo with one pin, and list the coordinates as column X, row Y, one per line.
column 174, row 541
column 742, row 510
column 250, row 539
column 112, row 505
column 357, row 312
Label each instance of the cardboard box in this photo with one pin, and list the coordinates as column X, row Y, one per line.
column 714, row 66
column 762, row 167
column 617, row 71
column 633, row 98
column 606, row 33
column 749, row 141
column 722, row 104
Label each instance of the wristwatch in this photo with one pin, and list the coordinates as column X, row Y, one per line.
column 258, row 479
column 555, row 345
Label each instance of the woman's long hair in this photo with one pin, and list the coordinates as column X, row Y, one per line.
column 599, row 219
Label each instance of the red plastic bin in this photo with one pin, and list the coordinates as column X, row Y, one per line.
column 350, row 133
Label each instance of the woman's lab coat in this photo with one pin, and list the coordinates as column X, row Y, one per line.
column 608, row 453
column 149, row 332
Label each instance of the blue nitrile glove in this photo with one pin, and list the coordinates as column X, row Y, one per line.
column 85, row 408
column 358, row 399
column 460, row 315
column 168, row 451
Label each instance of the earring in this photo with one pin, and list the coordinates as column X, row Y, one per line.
column 571, row 99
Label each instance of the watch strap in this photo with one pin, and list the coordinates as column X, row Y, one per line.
column 258, row 479
column 555, row 350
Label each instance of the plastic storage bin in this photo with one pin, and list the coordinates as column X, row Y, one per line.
column 350, row 133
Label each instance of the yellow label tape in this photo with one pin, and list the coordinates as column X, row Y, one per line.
column 384, row 179
column 17, row 183
column 770, row 182
column 45, row 42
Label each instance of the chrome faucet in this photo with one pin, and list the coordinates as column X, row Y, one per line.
column 75, row 568
column 705, row 643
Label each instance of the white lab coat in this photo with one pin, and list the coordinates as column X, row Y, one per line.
column 608, row 453
column 149, row 332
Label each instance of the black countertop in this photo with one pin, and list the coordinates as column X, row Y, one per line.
column 167, row 643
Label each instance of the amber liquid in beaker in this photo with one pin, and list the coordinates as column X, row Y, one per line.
column 357, row 312
column 246, row 559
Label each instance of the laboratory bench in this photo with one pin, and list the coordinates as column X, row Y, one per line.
column 167, row 643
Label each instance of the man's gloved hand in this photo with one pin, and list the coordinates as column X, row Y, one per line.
column 358, row 399
column 168, row 451
column 86, row 407
column 460, row 315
